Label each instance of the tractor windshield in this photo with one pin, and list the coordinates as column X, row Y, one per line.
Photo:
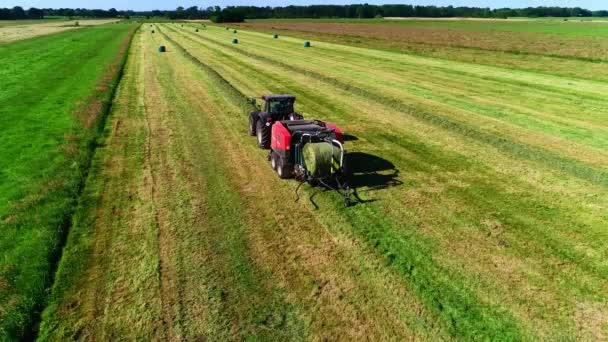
column 280, row 106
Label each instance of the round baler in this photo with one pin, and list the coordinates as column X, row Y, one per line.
column 311, row 151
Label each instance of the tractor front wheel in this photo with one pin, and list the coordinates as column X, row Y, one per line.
column 263, row 133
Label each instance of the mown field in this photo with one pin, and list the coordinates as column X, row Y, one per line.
column 13, row 30
column 141, row 209
column 481, row 184
column 54, row 95
column 573, row 49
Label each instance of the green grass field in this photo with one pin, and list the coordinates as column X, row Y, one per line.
column 480, row 176
column 51, row 103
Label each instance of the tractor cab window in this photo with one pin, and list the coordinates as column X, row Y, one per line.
column 280, row 107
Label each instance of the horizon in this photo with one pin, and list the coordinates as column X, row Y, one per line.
column 593, row 5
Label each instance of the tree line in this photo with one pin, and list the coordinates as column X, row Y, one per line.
column 240, row 13
column 371, row 11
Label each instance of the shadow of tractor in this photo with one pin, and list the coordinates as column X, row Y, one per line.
column 369, row 172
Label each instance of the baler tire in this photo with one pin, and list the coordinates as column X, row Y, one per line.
column 283, row 170
column 263, row 135
column 273, row 161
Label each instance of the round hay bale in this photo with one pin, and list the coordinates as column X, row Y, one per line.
column 275, row 36
column 234, row 31
column 196, row 30
column 235, row 41
column 307, row 44
column 321, row 159
column 152, row 31
column 162, row 48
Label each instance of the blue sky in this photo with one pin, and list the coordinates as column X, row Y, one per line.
column 164, row 4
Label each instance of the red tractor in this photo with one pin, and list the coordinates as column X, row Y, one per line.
column 276, row 107
column 311, row 151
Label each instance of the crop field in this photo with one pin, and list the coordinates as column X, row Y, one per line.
column 13, row 30
column 480, row 168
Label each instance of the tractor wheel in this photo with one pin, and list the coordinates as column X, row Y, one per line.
column 283, row 170
column 274, row 160
column 263, row 133
column 252, row 121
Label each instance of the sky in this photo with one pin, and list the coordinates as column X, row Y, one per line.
column 172, row 4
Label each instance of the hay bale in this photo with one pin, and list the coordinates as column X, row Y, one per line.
column 152, row 31
column 275, row 36
column 321, row 159
column 196, row 30
column 307, row 44
column 162, row 48
column 234, row 31
column 235, row 41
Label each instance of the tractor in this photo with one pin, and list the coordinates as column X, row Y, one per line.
column 275, row 108
column 311, row 151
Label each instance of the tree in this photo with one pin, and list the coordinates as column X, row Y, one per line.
column 18, row 13
column 35, row 13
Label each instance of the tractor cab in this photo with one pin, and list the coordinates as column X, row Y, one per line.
column 279, row 106
column 276, row 107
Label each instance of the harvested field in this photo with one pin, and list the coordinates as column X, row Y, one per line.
column 11, row 33
column 520, row 46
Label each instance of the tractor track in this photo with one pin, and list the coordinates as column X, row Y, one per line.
column 519, row 150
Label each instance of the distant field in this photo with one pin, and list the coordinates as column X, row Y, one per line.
column 23, row 29
column 498, row 43
column 54, row 91
column 4, row 23
column 569, row 26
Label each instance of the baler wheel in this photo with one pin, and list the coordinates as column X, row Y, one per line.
column 263, row 133
column 283, row 170
column 273, row 160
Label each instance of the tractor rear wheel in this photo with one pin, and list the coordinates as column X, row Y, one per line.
column 263, row 133
column 283, row 169
column 252, row 121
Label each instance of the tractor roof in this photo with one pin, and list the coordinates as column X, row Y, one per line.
column 277, row 97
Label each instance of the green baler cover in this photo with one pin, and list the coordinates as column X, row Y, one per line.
column 321, row 159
